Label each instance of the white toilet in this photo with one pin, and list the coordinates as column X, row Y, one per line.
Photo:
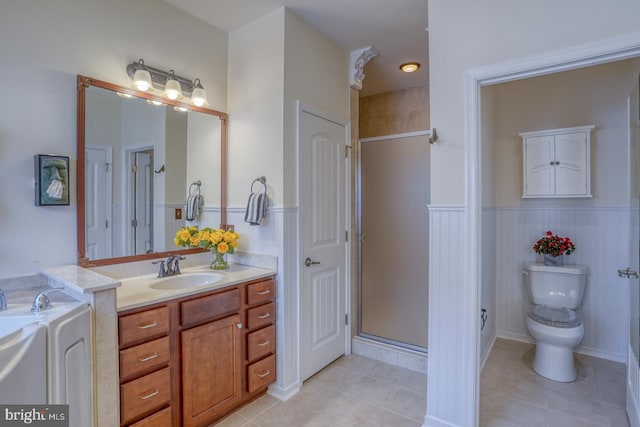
column 556, row 293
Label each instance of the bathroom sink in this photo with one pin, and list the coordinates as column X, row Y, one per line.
column 186, row 281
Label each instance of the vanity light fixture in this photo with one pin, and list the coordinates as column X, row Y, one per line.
column 154, row 102
column 173, row 86
column 181, row 109
column 409, row 67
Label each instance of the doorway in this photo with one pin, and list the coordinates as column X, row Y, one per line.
column 475, row 130
column 393, row 194
column 140, row 201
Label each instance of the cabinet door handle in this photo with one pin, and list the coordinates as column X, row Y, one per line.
column 150, row 395
column 264, row 316
column 264, row 374
column 147, row 358
column 148, row 325
column 264, row 292
column 262, row 344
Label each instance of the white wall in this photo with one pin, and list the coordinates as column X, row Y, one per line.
column 466, row 34
column 46, row 44
column 273, row 62
column 463, row 35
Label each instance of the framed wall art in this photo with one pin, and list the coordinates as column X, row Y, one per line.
column 52, row 180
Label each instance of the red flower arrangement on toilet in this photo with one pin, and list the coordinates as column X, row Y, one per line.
column 554, row 245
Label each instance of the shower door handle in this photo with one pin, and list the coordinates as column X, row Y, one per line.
column 309, row 262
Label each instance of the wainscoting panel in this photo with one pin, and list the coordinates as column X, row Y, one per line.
column 488, row 287
column 446, row 291
column 601, row 236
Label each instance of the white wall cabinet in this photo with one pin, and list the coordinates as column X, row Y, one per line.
column 557, row 163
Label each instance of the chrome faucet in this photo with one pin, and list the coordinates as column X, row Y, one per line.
column 42, row 301
column 173, row 264
column 162, row 272
column 3, row 301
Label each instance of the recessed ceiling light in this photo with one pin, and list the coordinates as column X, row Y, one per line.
column 410, row 67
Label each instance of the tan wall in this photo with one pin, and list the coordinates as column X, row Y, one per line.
column 394, row 112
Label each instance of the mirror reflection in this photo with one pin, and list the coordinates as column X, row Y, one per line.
column 142, row 162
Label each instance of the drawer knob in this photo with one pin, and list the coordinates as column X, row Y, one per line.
column 262, row 344
column 147, row 358
column 264, row 316
column 150, row 395
column 148, row 325
column 265, row 292
column 264, row 374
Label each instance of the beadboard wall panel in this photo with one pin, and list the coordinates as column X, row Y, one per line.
column 600, row 235
column 446, row 291
column 488, row 287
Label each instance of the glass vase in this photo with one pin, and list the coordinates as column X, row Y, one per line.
column 555, row 261
column 219, row 262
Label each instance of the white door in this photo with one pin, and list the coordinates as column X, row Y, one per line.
column 571, row 162
column 98, row 202
column 633, row 365
column 143, row 202
column 323, row 246
column 539, row 165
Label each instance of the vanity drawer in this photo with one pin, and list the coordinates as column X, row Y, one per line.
column 261, row 373
column 260, row 316
column 145, row 394
column 143, row 325
column 260, row 292
column 143, row 357
column 159, row 419
column 206, row 308
column 261, row 342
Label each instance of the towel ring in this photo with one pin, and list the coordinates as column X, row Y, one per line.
column 261, row 179
column 197, row 184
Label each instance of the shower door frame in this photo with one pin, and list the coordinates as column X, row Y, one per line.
column 358, row 236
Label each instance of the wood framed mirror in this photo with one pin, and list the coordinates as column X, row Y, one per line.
column 140, row 156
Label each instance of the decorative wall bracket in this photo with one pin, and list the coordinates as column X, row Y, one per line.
column 359, row 59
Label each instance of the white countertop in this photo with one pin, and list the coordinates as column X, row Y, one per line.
column 136, row 292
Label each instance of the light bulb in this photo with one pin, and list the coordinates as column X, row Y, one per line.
column 198, row 96
column 172, row 88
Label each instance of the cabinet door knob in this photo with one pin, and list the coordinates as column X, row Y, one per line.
column 239, row 325
column 551, row 163
column 557, row 163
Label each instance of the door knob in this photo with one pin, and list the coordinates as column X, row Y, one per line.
column 308, row 262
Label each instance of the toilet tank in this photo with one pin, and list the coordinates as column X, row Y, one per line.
column 555, row 286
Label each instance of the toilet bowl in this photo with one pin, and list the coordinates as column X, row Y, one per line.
column 553, row 322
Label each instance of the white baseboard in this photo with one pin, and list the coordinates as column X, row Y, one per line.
column 430, row 421
column 283, row 394
column 589, row 351
column 390, row 354
column 485, row 356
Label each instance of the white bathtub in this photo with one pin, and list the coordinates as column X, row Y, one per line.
column 46, row 358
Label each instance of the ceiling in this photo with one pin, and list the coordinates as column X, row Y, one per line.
column 395, row 28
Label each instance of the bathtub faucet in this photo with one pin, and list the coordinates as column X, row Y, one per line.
column 3, row 301
column 42, row 301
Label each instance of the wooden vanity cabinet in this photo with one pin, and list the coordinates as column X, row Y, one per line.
column 191, row 361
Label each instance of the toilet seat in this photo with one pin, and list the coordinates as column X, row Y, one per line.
column 557, row 317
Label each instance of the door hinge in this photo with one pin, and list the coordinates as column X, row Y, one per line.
column 346, row 150
column 346, row 319
column 134, row 223
column 346, row 235
column 134, row 168
column 106, row 167
column 106, row 224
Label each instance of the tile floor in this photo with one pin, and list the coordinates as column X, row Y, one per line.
column 352, row 391
column 357, row 391
column 512, row 394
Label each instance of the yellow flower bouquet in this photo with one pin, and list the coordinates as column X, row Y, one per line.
column 220, row 242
